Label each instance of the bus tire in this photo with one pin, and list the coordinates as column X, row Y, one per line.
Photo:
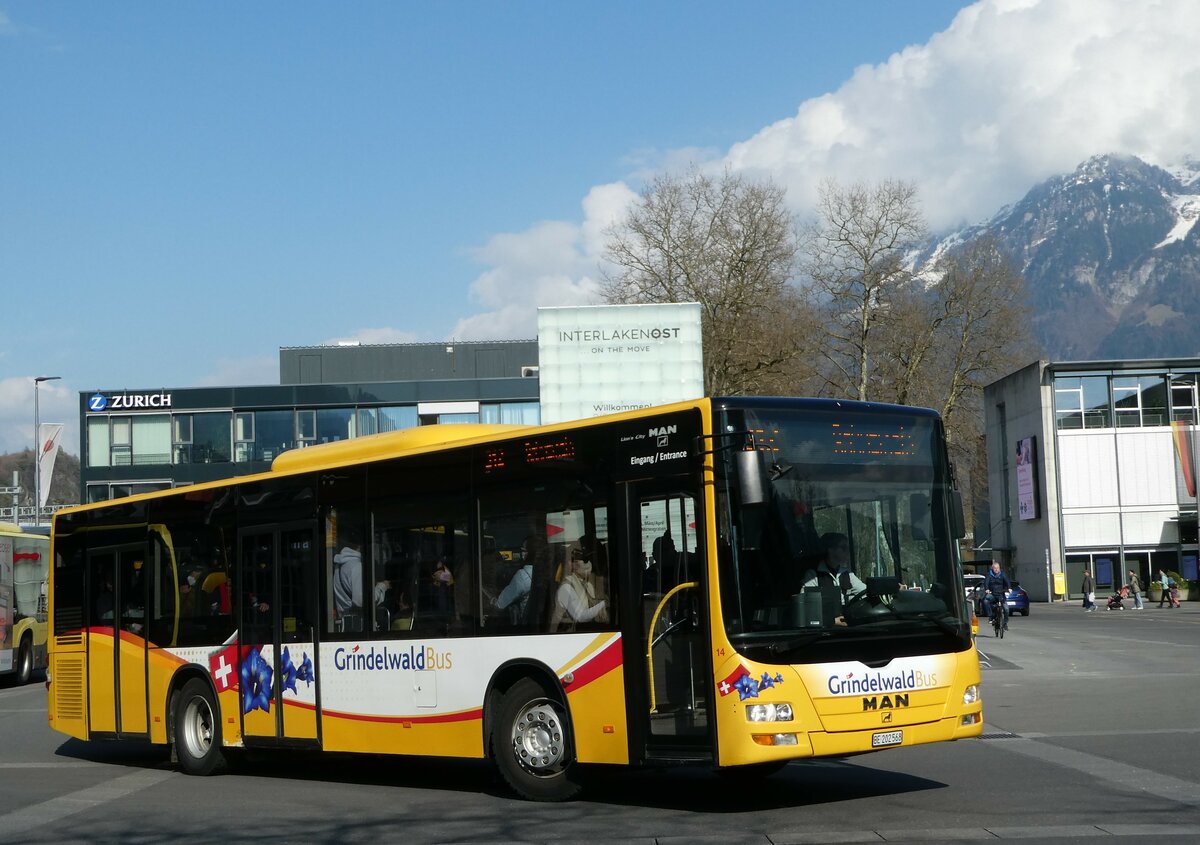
column 531, row 744
column 196, row 730
column 25, row 661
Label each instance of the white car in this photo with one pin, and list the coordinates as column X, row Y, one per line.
column 973, row 588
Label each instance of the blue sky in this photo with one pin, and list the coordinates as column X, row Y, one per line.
column 186, row 187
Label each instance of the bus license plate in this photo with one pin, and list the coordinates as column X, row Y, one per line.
column 879, row 740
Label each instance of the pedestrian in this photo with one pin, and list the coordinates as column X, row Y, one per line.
column 1165, row 581
column 1135, row 589
column 1089, row 591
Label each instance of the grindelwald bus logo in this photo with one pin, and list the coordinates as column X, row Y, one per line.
column 97, row 402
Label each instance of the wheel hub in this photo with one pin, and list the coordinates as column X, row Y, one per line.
column 537, row 739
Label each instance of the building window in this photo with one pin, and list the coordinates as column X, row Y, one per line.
column 516, row 413
column 367, row 422
column 243, row 437
column 397, row 417
column 211, row 443
column 151, row 440
column 1183, row 399
column 306, row 428
column 275, row 432
column 1127, row 402
column 98, row 444
column 1082, row 402
column 334, row 424
column 1139, row 401
column 181, row 437
column 121, row 439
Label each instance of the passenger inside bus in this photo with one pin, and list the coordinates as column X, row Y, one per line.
column 105, row 601
column 515, row 595
column 347, row 582
column 576, row 601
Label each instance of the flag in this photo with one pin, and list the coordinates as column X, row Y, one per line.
column 49, row 436
column 730, row 683
column 223, row 668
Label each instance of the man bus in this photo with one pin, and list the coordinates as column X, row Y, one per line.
column 205, row 617
column 24, row 560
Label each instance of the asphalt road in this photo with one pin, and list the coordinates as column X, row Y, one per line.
column 1092, row 730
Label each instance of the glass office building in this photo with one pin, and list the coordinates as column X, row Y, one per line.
column 1091, row 465
column 135, row 441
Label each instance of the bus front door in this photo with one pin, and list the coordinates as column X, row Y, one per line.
column 672, row 646
column 277, row 634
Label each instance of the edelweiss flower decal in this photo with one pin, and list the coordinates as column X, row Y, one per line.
column 256, row 683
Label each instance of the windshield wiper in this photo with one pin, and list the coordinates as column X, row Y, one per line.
column 939, row 618
column 799, row 641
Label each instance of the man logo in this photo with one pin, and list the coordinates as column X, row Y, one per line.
column 663, row 431
column 664, row 441
column 97, row 402
column 885, row 702
column 885, row 716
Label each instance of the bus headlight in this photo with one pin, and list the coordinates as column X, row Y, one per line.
column 971, row 694
column 769, row 712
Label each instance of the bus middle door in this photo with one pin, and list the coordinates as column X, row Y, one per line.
column 277, row 633
column 666, row 545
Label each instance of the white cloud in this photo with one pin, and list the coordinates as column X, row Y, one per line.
column 368, row 337
column 58, row 402
column 262, row 369
column 1010, row 93
column 1013, row 91
column 551, row 263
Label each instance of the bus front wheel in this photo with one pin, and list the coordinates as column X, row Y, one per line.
column 196, row 729
column 531, row 744
column 25, row 661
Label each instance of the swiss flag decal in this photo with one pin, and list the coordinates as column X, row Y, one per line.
column 223, row 668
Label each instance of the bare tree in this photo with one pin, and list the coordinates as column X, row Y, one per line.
column 986, row 324
column 855, row 255
column 728, row 243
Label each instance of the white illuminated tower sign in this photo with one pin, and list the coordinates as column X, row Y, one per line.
column 602, row 359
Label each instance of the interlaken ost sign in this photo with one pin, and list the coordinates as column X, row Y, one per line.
column 601, row 359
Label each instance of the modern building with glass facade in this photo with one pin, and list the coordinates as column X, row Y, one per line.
column 1091, row 465
column 135, row 441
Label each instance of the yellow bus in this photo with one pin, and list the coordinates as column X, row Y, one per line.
column 733, row 582
column 24, row 560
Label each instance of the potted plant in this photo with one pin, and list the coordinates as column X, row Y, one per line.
column 1154, row 588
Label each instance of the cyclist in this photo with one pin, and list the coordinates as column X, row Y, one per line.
column 995, row 585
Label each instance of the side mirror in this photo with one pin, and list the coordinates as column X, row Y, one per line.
column 958, row 524
column 751, row 479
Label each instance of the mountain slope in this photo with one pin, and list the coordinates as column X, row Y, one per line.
column 1111, row 255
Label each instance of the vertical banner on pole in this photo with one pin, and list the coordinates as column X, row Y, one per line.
column 49, row 438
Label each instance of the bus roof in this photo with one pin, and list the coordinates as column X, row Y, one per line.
column 389, row 445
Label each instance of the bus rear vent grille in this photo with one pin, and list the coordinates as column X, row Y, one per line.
column 68, row 688
column 68, row 625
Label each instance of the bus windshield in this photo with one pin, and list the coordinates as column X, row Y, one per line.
column 851, row 542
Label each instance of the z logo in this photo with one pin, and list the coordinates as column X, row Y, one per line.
column 885, row 717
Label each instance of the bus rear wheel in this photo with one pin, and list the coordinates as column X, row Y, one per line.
column 531, row 744
column 196, row 730
column 25, row 661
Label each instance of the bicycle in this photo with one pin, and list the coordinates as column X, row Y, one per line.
column 998, row 621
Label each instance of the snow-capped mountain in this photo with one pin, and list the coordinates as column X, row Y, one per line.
column 1111, row 255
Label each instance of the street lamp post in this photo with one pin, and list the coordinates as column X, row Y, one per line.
column 37, row 450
